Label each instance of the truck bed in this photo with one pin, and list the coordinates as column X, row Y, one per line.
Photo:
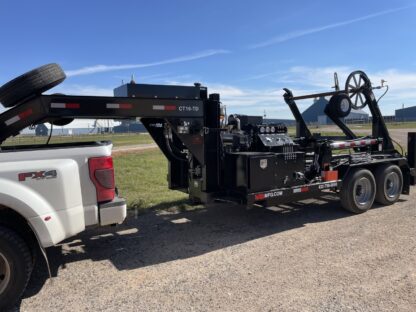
column 79, row 152
column 35, row 147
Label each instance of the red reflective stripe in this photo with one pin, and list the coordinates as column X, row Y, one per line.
column 65, row 105
column 170, row 107
column 26, row 113
column 126, row 106
column 72, row 105
column 259, row 196
column 304, row 189
column 354, row 143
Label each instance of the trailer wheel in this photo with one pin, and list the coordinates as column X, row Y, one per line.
column 358, row 191
column 389, row 180
column 15, row 267
column 194, row 201
column 31, row 84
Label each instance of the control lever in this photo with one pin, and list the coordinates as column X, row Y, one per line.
column 336, row 82
column 382, row 85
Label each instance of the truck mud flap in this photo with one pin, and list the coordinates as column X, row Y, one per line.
column 411, row 156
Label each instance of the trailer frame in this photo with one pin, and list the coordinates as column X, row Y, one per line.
column 187, row 129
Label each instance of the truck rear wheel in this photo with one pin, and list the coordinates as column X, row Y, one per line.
column 358, row 191
column 31, row 84
column 15, row 267
column 389, row 180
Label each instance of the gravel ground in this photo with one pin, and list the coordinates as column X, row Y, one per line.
column 310, row 256
column 400, row 135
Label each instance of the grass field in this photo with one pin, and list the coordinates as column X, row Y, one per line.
column 127, row 139
column 141, row 179
column 124, row 139
column 356, row 128
column 390, row 125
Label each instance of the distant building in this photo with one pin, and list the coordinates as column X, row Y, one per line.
column 61, row 131
column 315, row 113
column 406, row 114
column 287, row 122
column 41, row 130
column 129, row 126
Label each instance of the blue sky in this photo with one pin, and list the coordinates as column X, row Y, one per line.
column 246, row 50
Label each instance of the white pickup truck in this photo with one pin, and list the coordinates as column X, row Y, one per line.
column 47, row 194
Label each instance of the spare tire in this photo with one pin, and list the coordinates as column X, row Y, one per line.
column 340, row 105
column 31, row 84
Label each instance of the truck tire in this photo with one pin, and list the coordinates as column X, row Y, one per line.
column 31, row 84
column 389, row 181
column 358, row 191
column 15, row 267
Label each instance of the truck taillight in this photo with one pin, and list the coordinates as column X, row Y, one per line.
column 102, row 175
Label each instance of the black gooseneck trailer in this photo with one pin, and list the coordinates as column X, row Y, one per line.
column 240, row 158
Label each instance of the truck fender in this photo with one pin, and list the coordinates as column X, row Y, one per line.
column 35, row 209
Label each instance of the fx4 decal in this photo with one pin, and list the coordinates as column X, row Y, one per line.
column 38, row 175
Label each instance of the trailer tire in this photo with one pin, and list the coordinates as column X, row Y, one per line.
column 358, row 190
column 194, row 201
column 389, row 181
column 31, row 84
column 15, row 267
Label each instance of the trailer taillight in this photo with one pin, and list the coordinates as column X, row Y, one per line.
column 102, row 175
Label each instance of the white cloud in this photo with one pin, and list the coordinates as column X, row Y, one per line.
column 256, row 101
column 314, row 77
column 402, row 84
column 300, row 79
column 309, row 31
column 303, row 80
column 69, row 89
column 107, row 68
column 74, row 89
